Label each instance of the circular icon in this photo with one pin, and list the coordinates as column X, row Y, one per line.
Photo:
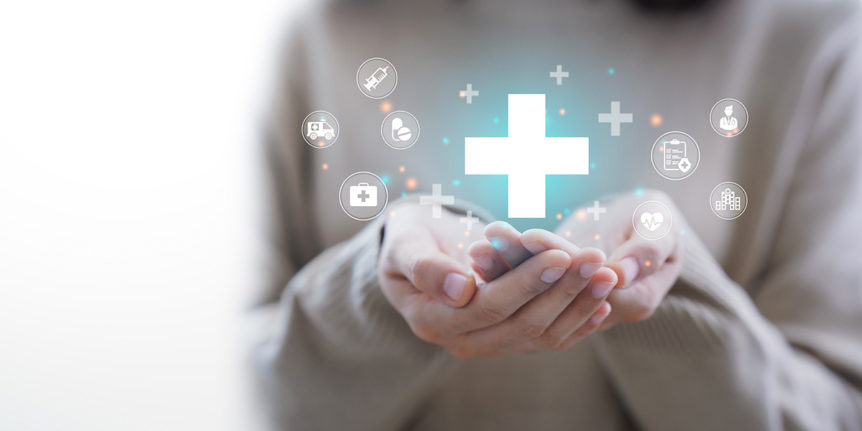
column 728, row 117
column 675, row 155
column 728, row 200
column 400, row 130
column 363, row 196
column 320, row 129
column 652, row 220
column 376, row 78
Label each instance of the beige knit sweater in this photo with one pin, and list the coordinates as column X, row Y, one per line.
column 763, row 329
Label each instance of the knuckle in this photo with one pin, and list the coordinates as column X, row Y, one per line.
column 529, row 329
column 551, row 341
column 426, row 332
column 532, row 289
column 491, row 314
column 421, row 267
column 461, row 351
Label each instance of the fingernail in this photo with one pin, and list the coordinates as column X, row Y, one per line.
column 484, row 262
column 499, row 243
column 630, row 269
column 602, row 289
column 534, row 247
column 588, row 269
column 454, row 285
column 598, row 319
column 552, row 274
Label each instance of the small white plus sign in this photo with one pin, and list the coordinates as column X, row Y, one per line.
column 615, row 117
column 436, row 200
column 469, row 93
column 597, row 210
column 469, row 220
column 559, row 74
column 526, row 156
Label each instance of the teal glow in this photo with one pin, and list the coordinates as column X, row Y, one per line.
column 682, row 232
column 456, row 183
column 385, row 179
column 639, row 191
column 566, row 211
column 496, row 120
column 403, row 194
column 445, row 141
column 592, row 165
column 611, row 71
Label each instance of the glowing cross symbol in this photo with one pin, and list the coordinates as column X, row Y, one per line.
column 469, row 93
column 596, row 210
column 469, row 220
column 436, row 200
column 526, row 156
column 615, row 117
column 559, row 74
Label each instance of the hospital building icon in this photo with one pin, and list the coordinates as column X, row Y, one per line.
column 729, row 201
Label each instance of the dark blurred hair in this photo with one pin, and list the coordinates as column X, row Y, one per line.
column 671, row 5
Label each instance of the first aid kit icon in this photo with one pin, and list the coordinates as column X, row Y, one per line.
column 363, row 195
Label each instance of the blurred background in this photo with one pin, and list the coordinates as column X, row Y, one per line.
column 128, row 133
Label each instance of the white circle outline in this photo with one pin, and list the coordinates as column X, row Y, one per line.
column 634, row 224
column 385, row 191
column 652, row 153
column 383, row 127
column 747, row 117
column 359, row 86
column 305, row 138
column 712, row 207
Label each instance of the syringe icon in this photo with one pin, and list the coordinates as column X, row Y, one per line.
column 374, row 80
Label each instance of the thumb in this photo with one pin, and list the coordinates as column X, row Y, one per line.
column 435, row 273
column 638, row 257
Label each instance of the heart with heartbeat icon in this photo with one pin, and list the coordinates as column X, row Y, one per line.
column 652, row 221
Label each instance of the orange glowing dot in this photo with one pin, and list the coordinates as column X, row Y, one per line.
column 597, row 237
column 661, row 149
column 461, row 94
column 391, row 213
column 401, row 169
column 562, row 111
column 581, row 214
column 460, row 245
column 648, row 263
column 568, row 233
column 656, row 120
column 385, row 106
column 321, row 144
column 559, row 216
column 466, row 233
column 325, row 166
column 411, row 183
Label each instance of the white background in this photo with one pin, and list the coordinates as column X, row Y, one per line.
column 127, row 209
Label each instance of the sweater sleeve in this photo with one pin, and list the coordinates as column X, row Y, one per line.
column 789, row 355
column 327, row 350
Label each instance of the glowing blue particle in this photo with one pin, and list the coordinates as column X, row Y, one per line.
column 610, row 71
column 403, row 194
column 592, row 165
column 639, row 191
column 445, row 141
column 566, row 211
column 456, row 183
column 385, row 179
column 682, row 232
column 496, row 120
column 322, row 118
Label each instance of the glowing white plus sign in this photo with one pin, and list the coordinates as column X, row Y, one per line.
column 526, row 156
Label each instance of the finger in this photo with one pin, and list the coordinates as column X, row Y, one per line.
column 638, row 302
column 499, row 299
column 594, row 324
column 434, row 272
column 507, row 241
column 531, row 320
column 539, row 240
column 486, row 261
column 638, row 257
column 580, row 310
